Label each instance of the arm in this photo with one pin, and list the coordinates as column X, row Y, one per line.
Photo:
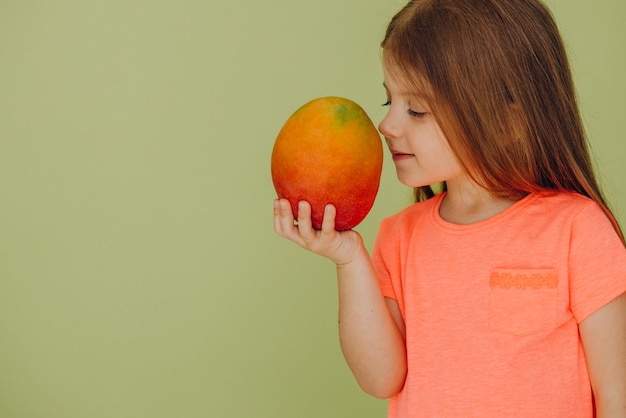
column 603, row 335
column 372, row 342
column 370, row 335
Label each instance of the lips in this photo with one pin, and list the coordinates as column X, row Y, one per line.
column 399, row 155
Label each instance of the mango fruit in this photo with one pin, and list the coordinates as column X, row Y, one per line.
column 329, row 151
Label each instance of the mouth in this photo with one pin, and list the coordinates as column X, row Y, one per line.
column 399, row 156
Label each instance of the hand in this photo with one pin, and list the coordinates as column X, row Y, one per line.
column 339, row 246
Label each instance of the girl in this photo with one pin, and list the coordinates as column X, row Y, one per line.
column 503, row 293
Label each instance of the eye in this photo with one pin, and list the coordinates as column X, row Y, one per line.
column 416, row 114
column 387, row 103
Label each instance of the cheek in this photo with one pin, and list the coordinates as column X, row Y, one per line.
column 443, row 154
column 446, row 155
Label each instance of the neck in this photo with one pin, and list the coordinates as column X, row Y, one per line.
column 467, row 203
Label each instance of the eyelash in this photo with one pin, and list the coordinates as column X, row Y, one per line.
column 418, row 115
column 413, row 113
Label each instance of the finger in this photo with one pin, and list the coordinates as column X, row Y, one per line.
column 328, row 222
column 277, row 223
column 284, row 218
column 304, row 219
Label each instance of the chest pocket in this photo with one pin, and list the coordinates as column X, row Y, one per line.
column 523, row 301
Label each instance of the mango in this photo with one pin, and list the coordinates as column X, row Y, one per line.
column 329, row 151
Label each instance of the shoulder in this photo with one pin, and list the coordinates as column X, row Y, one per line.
column 579, row 211
column 407, row 218
column 563, row 201
column 580, row 222
column 562, row 215
column 562, row 209
column 394, row 236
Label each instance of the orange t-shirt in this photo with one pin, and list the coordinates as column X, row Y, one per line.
column 492, row 309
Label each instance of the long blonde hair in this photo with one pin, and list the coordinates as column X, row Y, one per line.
column 502, row 91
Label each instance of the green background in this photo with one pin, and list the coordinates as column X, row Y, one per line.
column 139, row 272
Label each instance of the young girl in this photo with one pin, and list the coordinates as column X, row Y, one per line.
column 503, row 293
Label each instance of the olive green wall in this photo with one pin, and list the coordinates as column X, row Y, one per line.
column 596, row 42
column 139, row 273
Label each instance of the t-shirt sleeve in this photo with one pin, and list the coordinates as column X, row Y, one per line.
column 383, row 259
column 597, row 262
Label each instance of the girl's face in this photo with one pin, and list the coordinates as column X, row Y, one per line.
column 420, row 150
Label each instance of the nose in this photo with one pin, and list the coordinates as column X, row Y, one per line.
column 388, row 128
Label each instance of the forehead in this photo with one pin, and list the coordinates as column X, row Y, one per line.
column 404, row 77
column 403, row 86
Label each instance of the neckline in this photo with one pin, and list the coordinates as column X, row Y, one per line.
column 499, row 217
